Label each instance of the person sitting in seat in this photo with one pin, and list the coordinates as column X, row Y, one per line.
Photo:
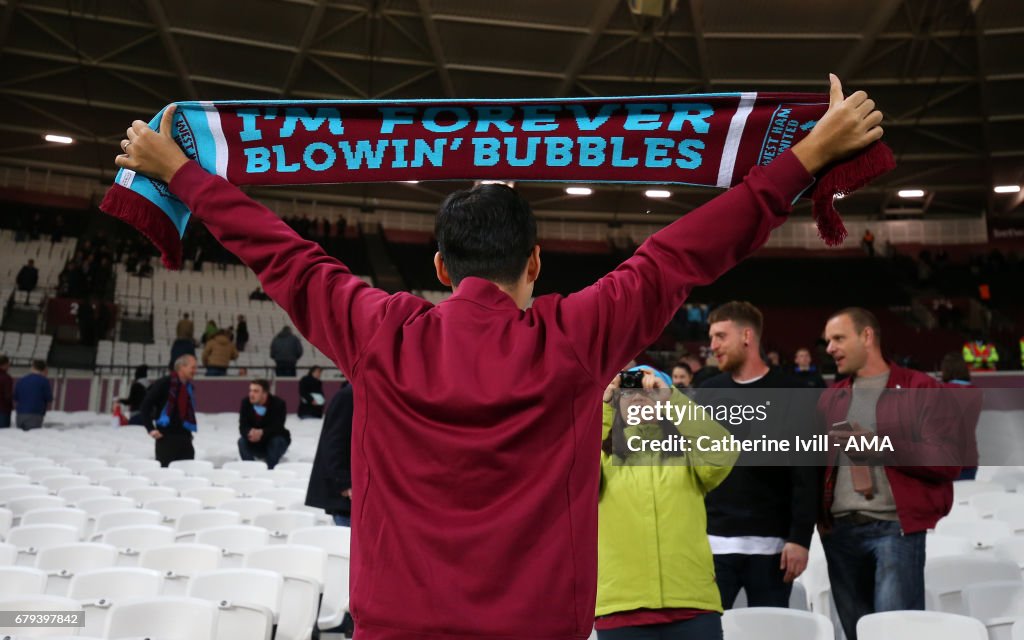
column 261, row 424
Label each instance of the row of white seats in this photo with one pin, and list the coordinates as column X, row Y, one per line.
column 209, row 615
column 21, row 462
column 25, row 346
column 287, row 583
column 49, row 258
column 768, row 623
column 121, row 480
column 14, row 339
column 90, row 435
column 88, row 506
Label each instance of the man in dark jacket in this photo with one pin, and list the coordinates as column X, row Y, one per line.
column 169, row 413
column 261, row 425
column 6, row 393
column 878, row 505
column 28, row 278
column 181, row 347
column 330, row 481
column 285, row 350
column 311, row 394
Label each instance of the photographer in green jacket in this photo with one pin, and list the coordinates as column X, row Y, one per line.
column 656, row 575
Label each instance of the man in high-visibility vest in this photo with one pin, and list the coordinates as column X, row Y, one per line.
column 980, row 355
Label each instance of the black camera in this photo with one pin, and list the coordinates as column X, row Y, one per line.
column 631, row 379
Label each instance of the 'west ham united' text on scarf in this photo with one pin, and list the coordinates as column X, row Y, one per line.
column 707, row 140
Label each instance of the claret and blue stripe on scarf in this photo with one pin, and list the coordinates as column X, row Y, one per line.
column 706, row 140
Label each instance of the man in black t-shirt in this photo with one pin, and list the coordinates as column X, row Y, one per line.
column 761, row 518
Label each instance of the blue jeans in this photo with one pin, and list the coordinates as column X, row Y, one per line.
column 968, row 473
column 212, row 372
column 342, row 521
column 759, row 575
column 706, row 626
column 270, row 449
column 5, row 420
column 874, row 568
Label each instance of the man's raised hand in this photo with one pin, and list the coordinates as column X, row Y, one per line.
column 849, row 125
column 154, row 154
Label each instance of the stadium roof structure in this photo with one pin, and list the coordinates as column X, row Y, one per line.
column 949, row 75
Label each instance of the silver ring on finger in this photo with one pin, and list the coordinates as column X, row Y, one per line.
column 124, row 145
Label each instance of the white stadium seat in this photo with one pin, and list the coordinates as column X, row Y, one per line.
column 6, row 521
column 173, row 508
column 283, row 498
column 282, row 523
column 249, row 600
column 62, row 562
column 74, row 495
column 234, row 541
column 24, row 581
column 336, row 543
column 137, row 467
column 96, row 591
column 8, row 554
column 249, row 508
column 144, row 495
column 982, row 533
column 211, row 497
column 938, row 545
column 181, row 485
column 933, row 625
column 249, row 487
column 131, row 541
column 31, row 539
column 125, row 518
column 177, row 563
column 1010, row 549
column 100, row 474
column 945, row 579
column 14, row 479
column 176, row 618
column 988, row 503
column 770, row 623
column 964, row 489
column 192, row 467
column 996, row 604
column 304, row 571
column 121, row 484
column 246, row 467
column 54, row 484
column 60, row 515
column 20, row 506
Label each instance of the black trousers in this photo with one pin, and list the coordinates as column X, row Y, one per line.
column 176, row 444
column 759, row 575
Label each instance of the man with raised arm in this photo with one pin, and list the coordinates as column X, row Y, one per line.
column 475, row 457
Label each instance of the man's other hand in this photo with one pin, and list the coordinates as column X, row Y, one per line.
column 794, row 561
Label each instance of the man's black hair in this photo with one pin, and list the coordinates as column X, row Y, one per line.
column 488, row 231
